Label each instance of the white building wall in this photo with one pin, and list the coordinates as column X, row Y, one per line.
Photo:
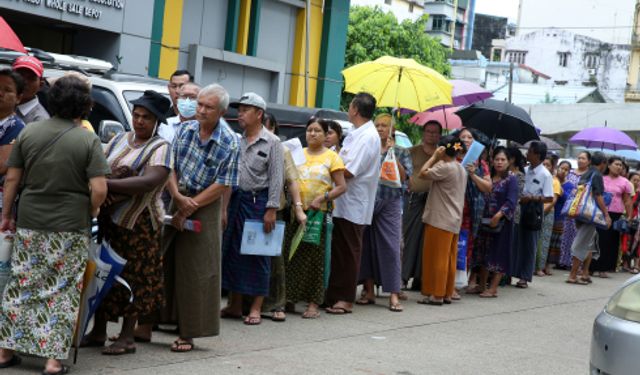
column 543, row 48
column 400, row 8
column 611, row 20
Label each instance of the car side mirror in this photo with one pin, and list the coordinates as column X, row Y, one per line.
column 109, row 129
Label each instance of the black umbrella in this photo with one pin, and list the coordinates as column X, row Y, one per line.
column 499, row 119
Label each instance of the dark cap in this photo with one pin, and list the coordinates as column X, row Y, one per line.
column 155, row 103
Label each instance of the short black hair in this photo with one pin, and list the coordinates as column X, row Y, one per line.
column 516, row 155
column 268, row 116
column 567, row 162
column 365, row 104
column 597, row 158
column 70, row 98
column 586, row 153
column 452, row 145
column 182, row 72
column 496, row 151
column 539, row 148
column 17, row 79
column 336, row 128
column 432, row 122
column 324, row 124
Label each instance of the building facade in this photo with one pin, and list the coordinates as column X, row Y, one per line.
column 451, row 21
column 486, row 29
column 605, row 20
column 632, row 93
column 572, row 60
column 402, row 9
column 245, row 45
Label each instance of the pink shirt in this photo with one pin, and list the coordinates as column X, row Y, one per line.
column 617, row 186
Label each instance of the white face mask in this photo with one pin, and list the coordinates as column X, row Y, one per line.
column 187, row 107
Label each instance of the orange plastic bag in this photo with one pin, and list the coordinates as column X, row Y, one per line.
column 389, row 172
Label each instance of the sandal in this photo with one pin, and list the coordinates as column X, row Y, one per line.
column 115, row 338
column 634, row 271
column 252, row 320
column 226, row 314
column 63, row 370
column 474, row 290
column 522, row 285
column 117, row 349
column 586, row 279
column 278, row 315
column 577, row 282
column 176, row 347
column 396, row 307
column 311, row 314
column 338, row 310
column 487, row 294
column 429, row 301
column 366, row 301
column 14, row 361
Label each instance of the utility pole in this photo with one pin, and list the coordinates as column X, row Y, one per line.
column 510, row 81
column 307, row 17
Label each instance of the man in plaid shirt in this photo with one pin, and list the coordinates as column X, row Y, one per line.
column 206, row 167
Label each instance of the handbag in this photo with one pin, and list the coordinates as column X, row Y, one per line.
column 389, row 172
column 621, row 225
column 6, row 243
column 585, row 209
column 487, row 228
column 531, row 215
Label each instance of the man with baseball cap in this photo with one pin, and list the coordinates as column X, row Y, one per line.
column 31, row 70
column 260, row 181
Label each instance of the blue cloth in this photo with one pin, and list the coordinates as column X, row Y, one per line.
column 386, row 192
column 10, row 129
column 199, row 164
column 567, row 192
column 244, row 274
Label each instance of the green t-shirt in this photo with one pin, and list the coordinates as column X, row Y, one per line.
column 56, row 194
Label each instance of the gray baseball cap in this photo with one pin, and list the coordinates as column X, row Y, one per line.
column 252, row 99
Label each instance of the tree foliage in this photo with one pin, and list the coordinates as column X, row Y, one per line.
column 372, row 33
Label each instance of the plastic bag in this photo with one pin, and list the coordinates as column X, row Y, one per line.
column 389, row 172
column 313, row 231
column 6, row 243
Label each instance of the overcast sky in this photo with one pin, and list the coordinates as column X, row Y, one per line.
column 503, row 8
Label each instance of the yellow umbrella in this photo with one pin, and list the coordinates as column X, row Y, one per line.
column 401, row 83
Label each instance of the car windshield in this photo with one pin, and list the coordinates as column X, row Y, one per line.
column 130, row 95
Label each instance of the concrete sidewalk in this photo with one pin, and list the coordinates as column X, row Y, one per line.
column 544, row 329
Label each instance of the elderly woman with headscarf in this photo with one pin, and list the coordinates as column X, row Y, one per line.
column 380, row 262
column 62, row 169
column 132, row 220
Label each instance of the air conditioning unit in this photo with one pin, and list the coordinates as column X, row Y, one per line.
column 592, row 72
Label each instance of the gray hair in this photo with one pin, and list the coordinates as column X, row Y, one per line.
column 217, row 91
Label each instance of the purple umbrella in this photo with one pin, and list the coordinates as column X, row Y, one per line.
column 603, row 138
column 465, row 93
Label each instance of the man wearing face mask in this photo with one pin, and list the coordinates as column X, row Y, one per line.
column 186, row 106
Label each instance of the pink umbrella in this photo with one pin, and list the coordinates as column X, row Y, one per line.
column 446, row 117
column 9, row 39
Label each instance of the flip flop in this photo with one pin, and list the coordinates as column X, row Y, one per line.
column 338, row 310
column 586, row 280
column 277, row 318
column 487, row 295
column 63, row 370
column 115, row 338
column 311, row 314
column 429, row 301
column 365, row 301
column 396, row 307
column 118, row 350
column 225, row 314
column 14, row 361
column 252, row 320
column 178, row 343
column 522, row 285
column 577, row 282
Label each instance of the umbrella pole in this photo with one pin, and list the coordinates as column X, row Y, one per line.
column 446, row 122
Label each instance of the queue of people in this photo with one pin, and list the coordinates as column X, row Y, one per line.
column 400, row 218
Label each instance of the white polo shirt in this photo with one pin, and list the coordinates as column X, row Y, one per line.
column 361, row 156
column 538, row 182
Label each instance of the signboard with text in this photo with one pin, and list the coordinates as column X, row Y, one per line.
column 99, row 14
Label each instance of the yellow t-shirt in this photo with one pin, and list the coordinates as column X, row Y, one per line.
column 315, row 175
column 557, row 188
column 87, row 125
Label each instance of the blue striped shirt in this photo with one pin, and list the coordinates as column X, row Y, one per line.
column 199, row 164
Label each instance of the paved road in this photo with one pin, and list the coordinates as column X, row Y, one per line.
column 541, row 330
